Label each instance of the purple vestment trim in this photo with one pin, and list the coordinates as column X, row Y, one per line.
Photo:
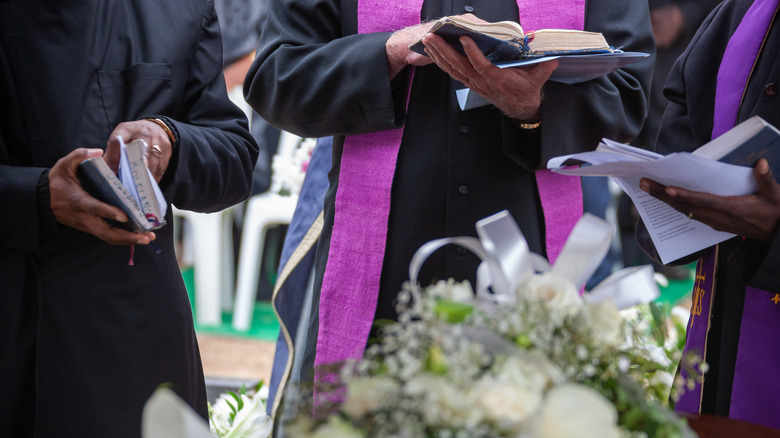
column 698, row 326
column 754, row 396
column 737, row 63
column 350, row 287
column 351, row 281
column 561, row 195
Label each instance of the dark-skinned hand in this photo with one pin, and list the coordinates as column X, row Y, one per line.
column 154, row 135
column 755, row 216
column 74, row 207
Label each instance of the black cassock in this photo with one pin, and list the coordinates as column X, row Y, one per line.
column 85, row 338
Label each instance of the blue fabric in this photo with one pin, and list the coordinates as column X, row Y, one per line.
column 289, row 299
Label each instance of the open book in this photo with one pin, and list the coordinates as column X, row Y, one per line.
column 506, row 40
column 722, row 167
column 581, row 55
column 134, row 190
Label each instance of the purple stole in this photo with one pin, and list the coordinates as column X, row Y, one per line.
column 351, row 282
column 753, row 398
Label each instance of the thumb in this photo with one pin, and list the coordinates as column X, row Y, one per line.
column 766, row 179
column 545, row 69
column 77, row 156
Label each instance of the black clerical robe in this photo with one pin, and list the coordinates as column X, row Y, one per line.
column 85, row 338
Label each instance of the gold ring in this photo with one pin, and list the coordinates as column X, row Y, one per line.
column 690, row 215
column 157, row 149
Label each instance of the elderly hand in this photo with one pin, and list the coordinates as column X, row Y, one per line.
column 74, row 207
column 755, row 216
column 158, row 153
column 517, row 92
column 397, row 48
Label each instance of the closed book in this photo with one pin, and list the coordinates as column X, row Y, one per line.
column 99, row 181
column 134, row 190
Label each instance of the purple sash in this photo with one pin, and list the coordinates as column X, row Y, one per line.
column 752, row 398
column 351, row 282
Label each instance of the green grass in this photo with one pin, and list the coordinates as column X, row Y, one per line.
column 678, row 289
column 264, row 327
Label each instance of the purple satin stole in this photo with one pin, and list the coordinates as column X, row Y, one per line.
column 753, row 398
column 351, row 283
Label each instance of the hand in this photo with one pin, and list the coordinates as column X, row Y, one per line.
column 517, row 92
column 397, row 48
column 668, row 24
column 74, row 207
column 154, row 135
column 755, row 216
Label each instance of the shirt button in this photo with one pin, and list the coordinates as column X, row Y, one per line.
column 468, row 8
column 462, row 251
column 464, row 129
column 771, row 90
column 463, row 190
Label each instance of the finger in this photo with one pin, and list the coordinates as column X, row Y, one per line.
column 545, row 69
column 103, row 210
column 766, row 179
column 154, row 159
column 72, row 160
column 117, row 236
column 448, row 59
column 665, row 194
column 475, row 56
column 434, row 47
column 111, row 156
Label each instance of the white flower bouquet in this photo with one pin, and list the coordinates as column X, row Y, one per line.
column 536, row 360
column 242, row 414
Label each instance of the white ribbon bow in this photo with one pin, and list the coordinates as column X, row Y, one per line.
column 507, row 261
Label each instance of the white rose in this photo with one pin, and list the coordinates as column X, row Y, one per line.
column 531, row 371
column 606, row 324
column 505, row 404
column 557, row 292
column 367, row 394
column 444, row 403
column 573, row 410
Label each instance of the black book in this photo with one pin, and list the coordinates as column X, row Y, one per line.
column 134, row 191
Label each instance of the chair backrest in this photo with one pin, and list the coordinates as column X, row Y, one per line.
column 290, row 162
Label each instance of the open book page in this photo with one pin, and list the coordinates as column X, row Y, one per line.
column 673, row 233
column 680, row 169
column 135, row 175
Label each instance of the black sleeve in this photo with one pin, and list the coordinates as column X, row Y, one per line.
column 576, row 117
column 213, row 164
column 314, row 76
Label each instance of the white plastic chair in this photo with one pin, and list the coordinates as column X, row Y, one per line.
column 263, row 212
column 210, row 243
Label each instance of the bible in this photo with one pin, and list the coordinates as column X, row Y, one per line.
column 506, row 41
column 581, row 55
column 134, row 190
column 722, row 167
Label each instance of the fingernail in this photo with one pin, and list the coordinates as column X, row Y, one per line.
column 644, row 186
column 671, row 192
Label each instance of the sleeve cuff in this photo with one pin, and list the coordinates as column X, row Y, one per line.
column 47, row 223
